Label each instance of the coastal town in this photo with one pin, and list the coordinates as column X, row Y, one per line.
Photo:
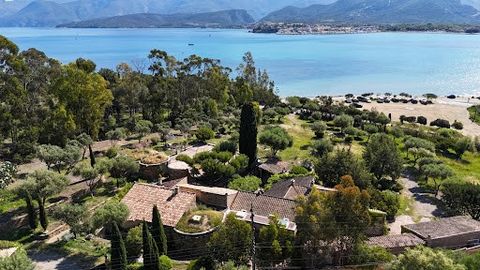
column 314, row 29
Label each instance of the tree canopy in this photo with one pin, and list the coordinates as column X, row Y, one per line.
column 232, row 241
column 276, row 138
column 383, row 157
column 332, row 222
column 424, row 258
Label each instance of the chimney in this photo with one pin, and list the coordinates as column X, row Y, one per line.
column 174, row 193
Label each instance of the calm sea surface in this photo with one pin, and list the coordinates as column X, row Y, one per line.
column 300, row 65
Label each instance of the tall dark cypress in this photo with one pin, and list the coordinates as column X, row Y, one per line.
column 32, row 214
column 92, row 156
column 147, row 247
column 158, row 232
column 155, row 255
column 248, row 133
column 118, row 251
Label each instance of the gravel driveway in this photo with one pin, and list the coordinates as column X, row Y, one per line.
column 425, row 206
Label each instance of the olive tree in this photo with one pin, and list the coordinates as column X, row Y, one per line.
column 42, row 185
column 74, row 215
column 276, row 138
column 438, row 173
column 60, row 158
column 343, row 121
column 112, row 211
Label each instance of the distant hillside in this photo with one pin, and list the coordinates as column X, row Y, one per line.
column 53, row 12
column 227, row 18
column 40, row 13
column 380, row 11
column 473, row 3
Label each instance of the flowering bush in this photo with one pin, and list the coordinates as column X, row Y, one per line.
column 7, row 172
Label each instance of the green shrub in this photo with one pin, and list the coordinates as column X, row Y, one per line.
column 397, row 132
column 185, row 159
column 322, row 147
column 298, row 170
column 204, row 134
column 17, row 261
column 441, row 123
column 226, row 146
column 112, row 152
column 319, row 128
column 165, row 263
column 364, row 254
column 248, row 183
column 457, row 125
column 135, row 266
column 422, row 120
column 7, row 244
column 133, row 242
column 205, row 262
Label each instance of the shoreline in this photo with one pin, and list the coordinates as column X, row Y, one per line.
column 442, row 108
column 244, row 28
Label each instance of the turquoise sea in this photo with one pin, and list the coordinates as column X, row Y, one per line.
column 300, row 65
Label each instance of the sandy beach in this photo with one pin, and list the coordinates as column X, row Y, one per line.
column 449, row 109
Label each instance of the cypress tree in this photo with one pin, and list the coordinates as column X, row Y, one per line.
column 147, row 247
column 92, row 156
column 118, row 251
column 158, row 232
column 150, row 250
column 155, row 255
column 32, row 214
column 248, row 133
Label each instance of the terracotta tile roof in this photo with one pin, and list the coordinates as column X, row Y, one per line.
column 275, row 167
column 174, row 183
column 264, row 205
column 142, row 197
column 395, row 241
column 444, row 227
column 291, row 188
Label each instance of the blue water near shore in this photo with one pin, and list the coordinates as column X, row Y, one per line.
column 300, row 65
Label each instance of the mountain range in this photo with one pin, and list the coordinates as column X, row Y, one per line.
column 380, row 11
column 226, row 19
column 128, row 13
column 54, row 12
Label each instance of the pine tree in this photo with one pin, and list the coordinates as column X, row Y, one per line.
column 248, row 132
column 158, row 232
column 118, row 251
column 32, row 214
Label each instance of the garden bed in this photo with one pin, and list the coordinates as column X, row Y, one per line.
column 198, row 221
column 148, row 157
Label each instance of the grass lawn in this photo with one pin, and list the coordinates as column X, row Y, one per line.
column 10, row 201
column 210, row 219
column 90, row 249
column 474, row 116
column 302, row 138
column 467, row 169
column 405, row 206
